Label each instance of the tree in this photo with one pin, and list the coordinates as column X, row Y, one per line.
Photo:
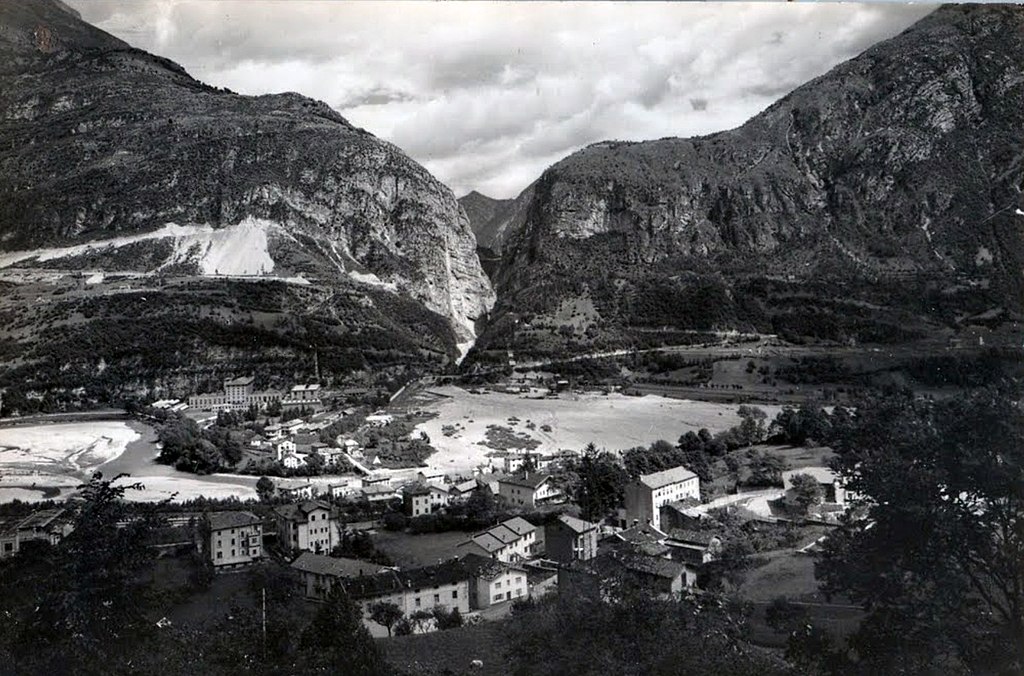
column 337, row 642
column 766, row 469
column 937, row 561
column 86, row 599
column 265, row 489
column 597, row 483
column 752, row 428
column 589, row 634
column 386, row 614
column 806, row 490
column 420, row 619
column 447, row 619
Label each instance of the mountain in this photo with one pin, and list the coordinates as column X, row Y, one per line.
column 169, row 230
column 876, row 203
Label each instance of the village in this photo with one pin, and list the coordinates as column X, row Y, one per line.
column 343, row 501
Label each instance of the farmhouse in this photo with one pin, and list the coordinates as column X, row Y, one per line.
column 511, row 540
column 432, row 475
column 310, row 526
column 528, row 490
column 646, row 495
column 234, row 539
column 569, row 539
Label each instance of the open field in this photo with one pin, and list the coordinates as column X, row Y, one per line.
column 612, row 421
column 450, row 652
column 419, row 550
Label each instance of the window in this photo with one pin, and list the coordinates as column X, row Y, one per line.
column 220, row 555
column 497, row 597
column 455, row 594
column 232, row 552
column 417, row 601
column 437, row 598
column 232, row 542
column 497, row 585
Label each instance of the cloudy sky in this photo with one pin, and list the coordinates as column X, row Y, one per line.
column 486, row 95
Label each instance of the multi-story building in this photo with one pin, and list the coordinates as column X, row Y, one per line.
column 233, row 539
column 493, row 582
column 569, row 539
column 238, row 395
column 444, row 585
column 528, row 490
column 423, row 499
column 309, row 526
column 645, row 496
column 511, row 540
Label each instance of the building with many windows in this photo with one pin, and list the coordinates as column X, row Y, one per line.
column 423, row 499
column 309, row 526
column 645, row 496
column 511, row 540
column 528, row 490
column 493, row 582
column 233, row 539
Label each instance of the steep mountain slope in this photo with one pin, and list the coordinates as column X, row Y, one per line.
column 112, row 159
column 875, row 203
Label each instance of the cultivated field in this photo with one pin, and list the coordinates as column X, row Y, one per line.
column 613, row 421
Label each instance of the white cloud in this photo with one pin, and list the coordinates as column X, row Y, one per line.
column 486, row 95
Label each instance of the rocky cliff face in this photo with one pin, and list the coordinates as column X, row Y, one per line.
column 101, row 140
column 891, row 181
column 112, row 159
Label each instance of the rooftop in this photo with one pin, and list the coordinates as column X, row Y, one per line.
column 391, row 581
column 336, row 567
column 222, row 520
column 302, row 510
column 576, row 525
column 667, row 477
column 532, row 480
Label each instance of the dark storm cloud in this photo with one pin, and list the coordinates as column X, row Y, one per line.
column 487, row 95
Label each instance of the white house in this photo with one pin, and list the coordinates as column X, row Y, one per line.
column 294, row 460
column 511, row 540
column 528, row 490
column 423, row 499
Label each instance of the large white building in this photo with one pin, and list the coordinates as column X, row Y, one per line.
column 238, row 395
column 646, row 495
